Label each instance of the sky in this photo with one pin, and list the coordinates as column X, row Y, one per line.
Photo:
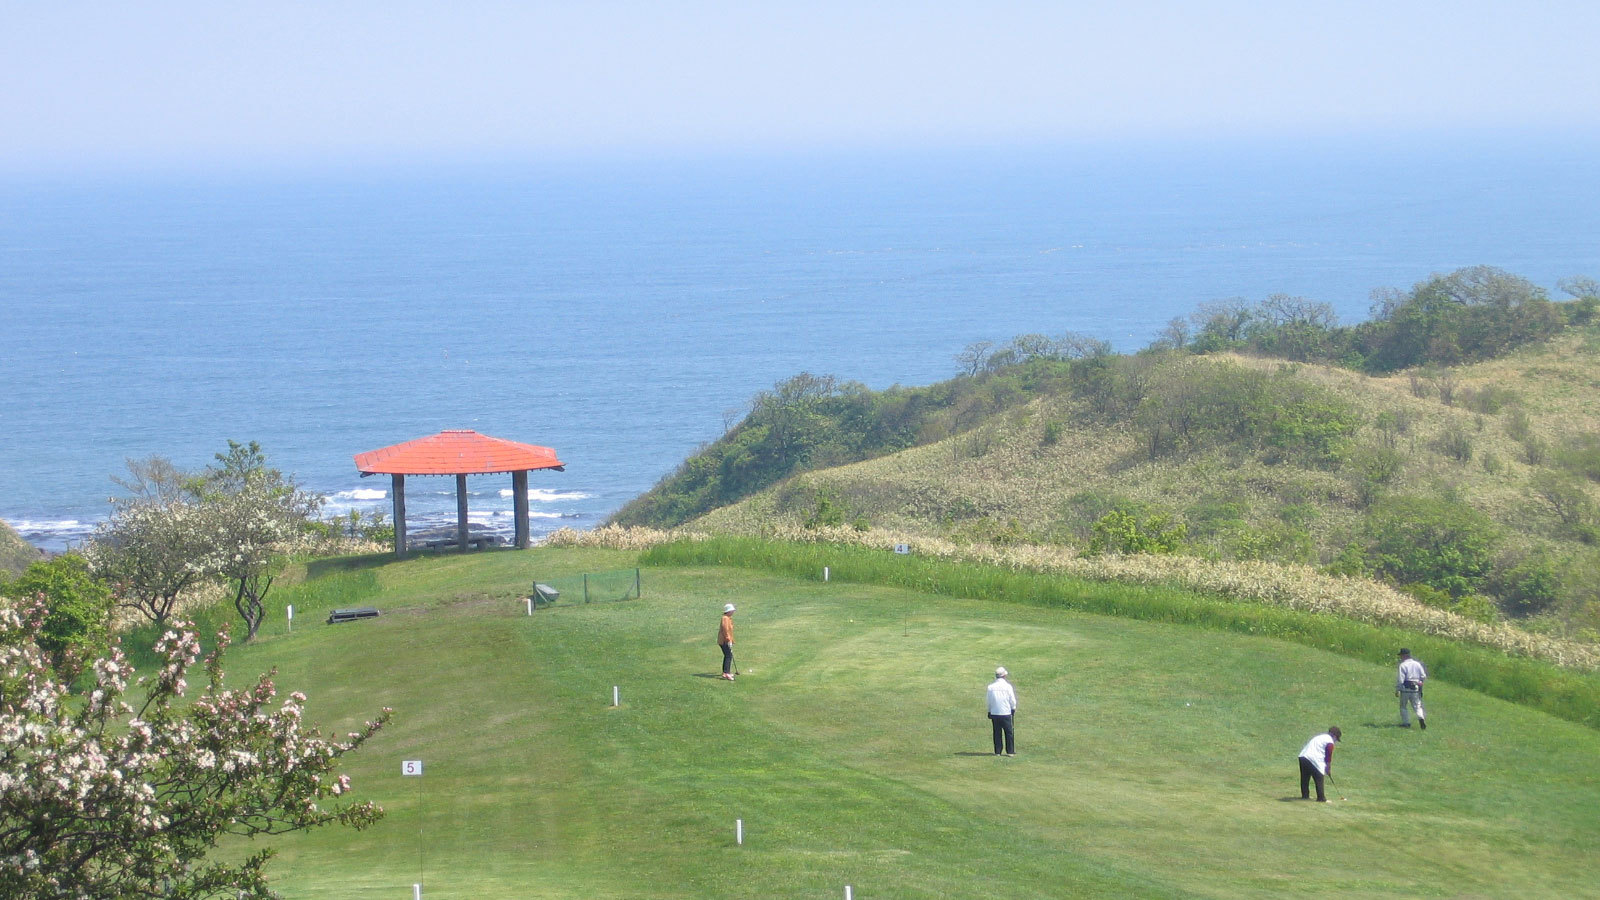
column 160, row 83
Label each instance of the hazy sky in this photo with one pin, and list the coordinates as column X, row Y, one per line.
column 169, row 83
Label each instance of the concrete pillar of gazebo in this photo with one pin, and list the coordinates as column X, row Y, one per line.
column 519, row 494
column 398, row 490
column 461, row 512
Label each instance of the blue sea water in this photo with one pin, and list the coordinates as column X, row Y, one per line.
column 623, row 311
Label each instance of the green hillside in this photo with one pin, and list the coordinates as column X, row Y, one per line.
column 1155, row 760
column 16, row 554
column 1475, row 487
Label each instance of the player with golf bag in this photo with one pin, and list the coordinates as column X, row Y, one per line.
column 1408, row 687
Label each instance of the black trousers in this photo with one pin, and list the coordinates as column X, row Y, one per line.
column 727, row 658
column 1308, row 772
column 1005, row 734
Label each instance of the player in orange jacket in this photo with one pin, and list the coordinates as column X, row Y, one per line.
column 725, row 641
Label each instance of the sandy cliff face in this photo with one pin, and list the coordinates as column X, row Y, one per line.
column 16, row 554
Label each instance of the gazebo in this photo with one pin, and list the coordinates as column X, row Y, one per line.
column 459, row 453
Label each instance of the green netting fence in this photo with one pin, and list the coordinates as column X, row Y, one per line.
column 590, row 587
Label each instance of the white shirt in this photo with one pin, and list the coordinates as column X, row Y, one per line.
column 1002, row 698
column 1317, row 751
column 1410, row 670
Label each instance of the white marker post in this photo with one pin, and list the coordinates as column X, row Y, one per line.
column 738, row 832
column 847, row 892
column 530, row 606
column 616, row 696
column 413, row 768
column 824, row 573
column 291, row 617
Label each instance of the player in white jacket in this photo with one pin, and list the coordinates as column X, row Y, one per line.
column 1408, row 687
column 1002, row 699
column 1316, row 763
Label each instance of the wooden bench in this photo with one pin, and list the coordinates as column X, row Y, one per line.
column 544, row 594
column 352, row 614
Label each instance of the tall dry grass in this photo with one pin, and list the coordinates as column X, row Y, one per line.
column 1287, row 586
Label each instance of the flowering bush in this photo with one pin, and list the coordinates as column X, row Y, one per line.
column 235, row 522
column 102, row 796
column 153, row 551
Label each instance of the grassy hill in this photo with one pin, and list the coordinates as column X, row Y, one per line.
column 1155, row 760
column 1449, row 447
column 16, row 554
column 1507, row 446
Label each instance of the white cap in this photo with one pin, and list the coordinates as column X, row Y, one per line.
column 728, row 608
column 1001, row 672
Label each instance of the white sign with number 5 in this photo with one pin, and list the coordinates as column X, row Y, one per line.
column 411, row 767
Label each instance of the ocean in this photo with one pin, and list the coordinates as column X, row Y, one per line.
column 624, row 311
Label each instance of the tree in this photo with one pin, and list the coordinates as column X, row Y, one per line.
column 98, row 799
column 1439, row 542
column 1032, row 346
column 1292, row 327
column 153, row 478
column 1077, row 345
column 1175, row 335
column 974, row 358
column 77, row 610
column 1579, row 286
column 234, row 521
column 253, row 515
column 153, row 550
column 791, row 411
column 1221, row 323
column 1472, row 313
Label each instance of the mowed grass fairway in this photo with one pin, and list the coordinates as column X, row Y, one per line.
column 1153, row 760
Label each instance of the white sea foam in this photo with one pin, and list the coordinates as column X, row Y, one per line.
column 50, row 526
column 360, row 494
column 545, row 495
column 54, row 535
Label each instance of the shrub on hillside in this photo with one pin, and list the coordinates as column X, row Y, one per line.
column 1193, row 404
column 76, row 608
column 1471, row 606
column 1454, row 443
column 1121, row 532
column 1489, row 399
column 1534, row 450
column 1471, row 314
column 1439, row 542
column 1565, row 496
column 1527, row 585
column 1580, row 455
column 1372, row 470
column 827, row 512
column 1274, row 541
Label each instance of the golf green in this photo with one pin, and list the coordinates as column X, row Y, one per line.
column 1153, row 760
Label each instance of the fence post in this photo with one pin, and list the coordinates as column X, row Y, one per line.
column 586, row 587
column 638, row 591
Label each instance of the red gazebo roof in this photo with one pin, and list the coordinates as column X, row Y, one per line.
column 456, row 452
